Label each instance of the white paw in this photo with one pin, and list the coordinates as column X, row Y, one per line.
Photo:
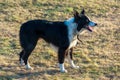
column 62, row 68
column 75, row 67
column 64, row 71
column 22, row 62
column 28, row 67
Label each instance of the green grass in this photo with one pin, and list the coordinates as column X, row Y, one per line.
column 98, row 56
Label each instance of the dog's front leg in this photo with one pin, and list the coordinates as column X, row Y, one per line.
column 61, row 57
column 70, row 59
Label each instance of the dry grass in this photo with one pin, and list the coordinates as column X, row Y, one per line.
column 98, row 57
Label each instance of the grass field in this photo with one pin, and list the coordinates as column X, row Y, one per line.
column 98, row 56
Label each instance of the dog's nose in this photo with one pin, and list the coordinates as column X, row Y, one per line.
column 95, row 24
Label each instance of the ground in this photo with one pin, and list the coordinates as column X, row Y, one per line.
column 98, row 56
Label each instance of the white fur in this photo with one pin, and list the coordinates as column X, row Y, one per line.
column 62, row 68
column 91, row 23
column 28, row 66
column 72, row 32
column 72, row 63
column 73, row 43
column 21, row 62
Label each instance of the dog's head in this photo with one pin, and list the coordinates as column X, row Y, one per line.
column 83, row 21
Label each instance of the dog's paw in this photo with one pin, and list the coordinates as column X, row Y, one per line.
column 22, row 62
column 75, row 67
column 28, row 67
column 64, row 71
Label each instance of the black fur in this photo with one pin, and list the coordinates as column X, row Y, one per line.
column 51, row 32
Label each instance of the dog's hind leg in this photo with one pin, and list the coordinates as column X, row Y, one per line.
column 29, row 48
column 28, row 43
column 70, row 59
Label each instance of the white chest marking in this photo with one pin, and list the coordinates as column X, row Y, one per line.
column 73, row 43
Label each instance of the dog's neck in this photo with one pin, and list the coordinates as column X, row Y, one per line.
column 71, row 24
column 72, row 28
column 70, row 21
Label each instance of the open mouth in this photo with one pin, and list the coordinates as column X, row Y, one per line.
column 89, row 28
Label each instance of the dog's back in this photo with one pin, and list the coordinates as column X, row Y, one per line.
column 52, row 32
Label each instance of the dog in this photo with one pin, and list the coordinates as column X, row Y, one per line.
column 61, row 35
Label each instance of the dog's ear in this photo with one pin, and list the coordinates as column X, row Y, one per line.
column 82, row 12
column 75, row 13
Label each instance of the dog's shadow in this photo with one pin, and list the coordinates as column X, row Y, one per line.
column 22, row 73
column 46, row 69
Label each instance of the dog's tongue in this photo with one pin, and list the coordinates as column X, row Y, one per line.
column 90, row 28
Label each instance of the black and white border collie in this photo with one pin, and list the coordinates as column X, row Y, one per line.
column 60, row 35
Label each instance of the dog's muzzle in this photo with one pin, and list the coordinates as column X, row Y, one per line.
column 90, row 25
